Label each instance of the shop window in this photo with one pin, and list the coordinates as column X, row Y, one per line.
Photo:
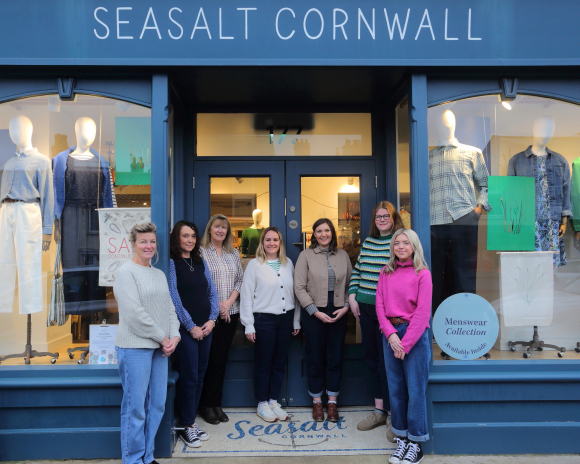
column 521, row 158
column 90, row 172
column 289, row 134
column 404, row 174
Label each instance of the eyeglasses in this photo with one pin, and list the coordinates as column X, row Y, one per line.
column 384, row 217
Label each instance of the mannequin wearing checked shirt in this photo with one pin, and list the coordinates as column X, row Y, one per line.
column 456, row 172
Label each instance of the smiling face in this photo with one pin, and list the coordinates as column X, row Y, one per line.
column 323, row 235
column 403, row 248
column 271, row 244
column 144, row 247
column 383, row 221
column 218, row 231
column 187, row 239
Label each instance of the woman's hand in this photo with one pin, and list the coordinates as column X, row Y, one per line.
column 295, row 332
column 323, row 317
column 251, row 337
column 340, row 312
column 396, row 345
column 207, row 328
column 354, row 306
column 169, row 346
column 196, row 333
column 225, row 310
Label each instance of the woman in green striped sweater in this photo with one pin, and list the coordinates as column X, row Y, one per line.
column 374, row 255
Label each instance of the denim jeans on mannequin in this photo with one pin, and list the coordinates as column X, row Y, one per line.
column 143, row 375
column 408, row 380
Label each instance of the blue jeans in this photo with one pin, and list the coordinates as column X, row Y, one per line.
column 324, row 340
column 372, row 342
column 143, row 375
column 408, row 387
column 273, row 334
column 192, row 356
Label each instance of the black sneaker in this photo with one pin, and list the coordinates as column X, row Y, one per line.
column 189, row 437
column 399, row 454
column 203, row 436
column 414, row 454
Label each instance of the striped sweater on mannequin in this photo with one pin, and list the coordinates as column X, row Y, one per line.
column 374, row 255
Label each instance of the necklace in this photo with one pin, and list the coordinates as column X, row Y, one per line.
column 189, row 265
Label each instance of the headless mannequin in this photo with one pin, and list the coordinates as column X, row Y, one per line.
column 20, row 129
column 445, row 126
column 86, row 131
column 542, row 131
column 257, row 217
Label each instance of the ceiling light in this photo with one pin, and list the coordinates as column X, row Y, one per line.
column 506, row 105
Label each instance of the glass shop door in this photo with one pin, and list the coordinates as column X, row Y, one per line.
column 291, row 195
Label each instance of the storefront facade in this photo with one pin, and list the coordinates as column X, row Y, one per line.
column 301, row 110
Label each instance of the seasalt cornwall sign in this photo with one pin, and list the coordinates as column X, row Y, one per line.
column 465, row 326
column 217, row 32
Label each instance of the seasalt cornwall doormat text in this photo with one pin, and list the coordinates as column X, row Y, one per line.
column 248, row 435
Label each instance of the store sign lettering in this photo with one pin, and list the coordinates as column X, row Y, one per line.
column 412, row 24
column 291, row 431
column 465, row 326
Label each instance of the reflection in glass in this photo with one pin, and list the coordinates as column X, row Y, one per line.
column 404, row 176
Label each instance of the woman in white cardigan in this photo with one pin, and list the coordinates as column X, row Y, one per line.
column 267, row 310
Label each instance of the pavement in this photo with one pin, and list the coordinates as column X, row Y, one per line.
column 368, row 459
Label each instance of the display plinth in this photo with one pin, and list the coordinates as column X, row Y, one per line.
column 29, row 353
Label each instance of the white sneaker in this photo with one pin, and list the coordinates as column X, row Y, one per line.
column 266, row 413
column 277, row 409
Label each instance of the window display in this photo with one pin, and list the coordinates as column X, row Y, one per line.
column 61, row 163
column 502, row 195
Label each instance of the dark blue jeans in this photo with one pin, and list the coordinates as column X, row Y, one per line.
column 408, row 387
column 273, row 334
column 372, row 342
column 324, row 340
column 192, row 357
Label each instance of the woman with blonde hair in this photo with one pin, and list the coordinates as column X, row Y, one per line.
column 223, row 262
column 270, row 315
column 404, row 295
column 362, row 293
column 148, row 333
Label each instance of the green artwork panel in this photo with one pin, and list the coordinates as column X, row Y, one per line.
column 132, row 151
column 511, row 221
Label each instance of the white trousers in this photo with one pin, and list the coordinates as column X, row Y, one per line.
column 21, row 253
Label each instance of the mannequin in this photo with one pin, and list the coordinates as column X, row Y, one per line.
column 458, row 199
column 552, row 174
column 82, row 185
column 26, row 216
column 251, row 235
column 575, row 197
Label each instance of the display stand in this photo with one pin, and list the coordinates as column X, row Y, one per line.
column 85, row 352
column 29, row 353
column 536, row 344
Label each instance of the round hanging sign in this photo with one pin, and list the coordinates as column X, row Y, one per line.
column 465, row 326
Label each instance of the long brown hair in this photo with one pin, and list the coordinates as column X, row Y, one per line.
column 333, row 245
column 395, row 216
column 175, row 241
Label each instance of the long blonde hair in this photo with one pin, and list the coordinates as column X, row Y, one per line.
column 228, row 241
column 418, row 258
column 261, row 251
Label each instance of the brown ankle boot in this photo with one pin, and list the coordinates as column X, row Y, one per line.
column 318, row 412
column 332, row 412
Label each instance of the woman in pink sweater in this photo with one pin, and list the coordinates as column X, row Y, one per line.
column 403, row 309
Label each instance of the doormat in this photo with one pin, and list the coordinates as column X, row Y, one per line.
column 248, row 435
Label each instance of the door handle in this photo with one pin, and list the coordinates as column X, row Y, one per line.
column 298, row 244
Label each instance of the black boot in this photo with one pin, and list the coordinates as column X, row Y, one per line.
column 209, row 415
column 222, row 416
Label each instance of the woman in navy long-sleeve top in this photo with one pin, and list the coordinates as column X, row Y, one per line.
column 196, row 303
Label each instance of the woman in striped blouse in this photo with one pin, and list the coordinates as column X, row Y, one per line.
column 223, row 261
column 374, row 255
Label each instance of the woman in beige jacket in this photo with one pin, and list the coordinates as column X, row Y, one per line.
column 321, row 281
